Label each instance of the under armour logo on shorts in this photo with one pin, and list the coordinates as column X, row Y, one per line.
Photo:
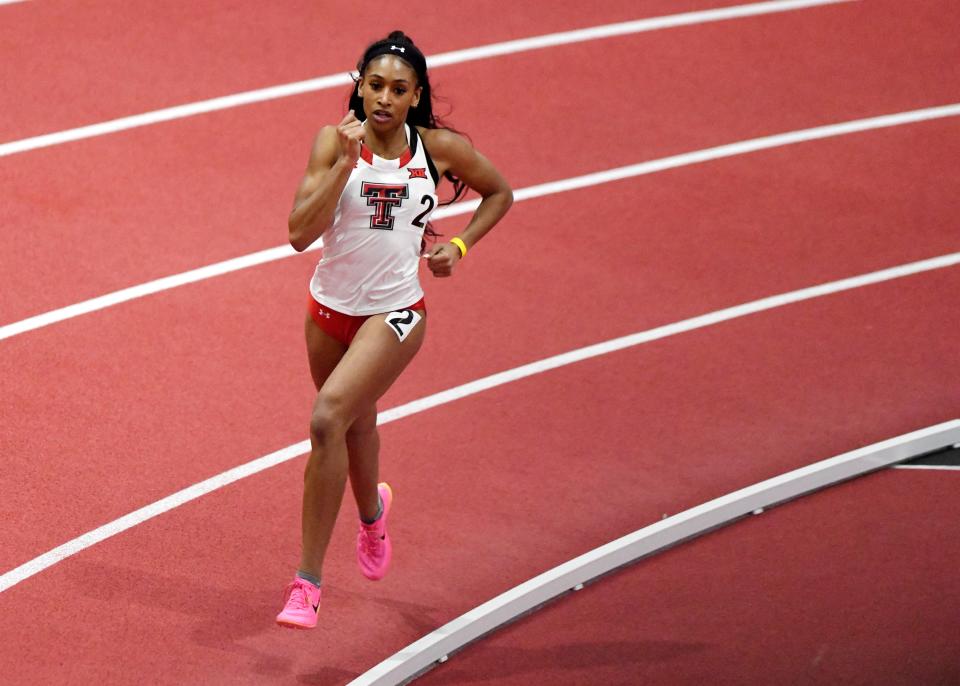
column 397, row 47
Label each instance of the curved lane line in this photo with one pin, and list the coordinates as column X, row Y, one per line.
column 689, row 524
column 61, row 552
column 540, row 190
column 439, row 60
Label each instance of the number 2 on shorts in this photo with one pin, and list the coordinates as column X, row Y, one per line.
column 402, row 322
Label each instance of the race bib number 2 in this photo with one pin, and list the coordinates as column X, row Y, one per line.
column 402, row 322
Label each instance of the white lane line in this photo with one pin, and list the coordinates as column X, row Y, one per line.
column 941, row 467
column 52, row 557
column 689, row 524
column 441, row 59
column 10, row 2
column 530, row 192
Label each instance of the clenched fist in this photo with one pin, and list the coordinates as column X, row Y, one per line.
column 350, row 133
column 442, row 258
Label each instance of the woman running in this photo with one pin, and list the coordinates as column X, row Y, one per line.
column 369, row 189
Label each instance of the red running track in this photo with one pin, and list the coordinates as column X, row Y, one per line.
column 186, row 402
column 853, row 585
column 196, row 584
column 61, row 61
column 114, row 410
column 163, row 584
column 188, row 193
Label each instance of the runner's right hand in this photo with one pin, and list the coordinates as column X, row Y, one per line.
column 350, row 134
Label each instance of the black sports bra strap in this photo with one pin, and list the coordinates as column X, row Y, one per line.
column 414, row 139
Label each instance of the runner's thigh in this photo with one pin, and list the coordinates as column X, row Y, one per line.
column 374, row 360
column 323, row 351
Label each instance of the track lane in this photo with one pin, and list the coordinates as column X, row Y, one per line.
column 851, row 585
column 146, row 410
column 61, row 58
column 175, row 582
column 202, row 190
column 176, row 595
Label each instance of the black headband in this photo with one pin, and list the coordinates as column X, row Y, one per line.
column 408, row 53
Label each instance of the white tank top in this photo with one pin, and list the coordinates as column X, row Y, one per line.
column 371, row 252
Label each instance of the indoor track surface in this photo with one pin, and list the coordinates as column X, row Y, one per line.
column 115, row 396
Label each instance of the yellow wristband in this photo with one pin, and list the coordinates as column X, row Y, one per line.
column 461, row 245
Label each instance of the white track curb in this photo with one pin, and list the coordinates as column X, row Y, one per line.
column 436, row 646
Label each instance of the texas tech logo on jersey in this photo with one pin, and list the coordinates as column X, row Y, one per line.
column 383, row 197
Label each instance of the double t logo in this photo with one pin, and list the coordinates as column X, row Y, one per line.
column 383, row 197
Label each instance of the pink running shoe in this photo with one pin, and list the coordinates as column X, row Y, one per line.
column 373, row 544
column 301, row 604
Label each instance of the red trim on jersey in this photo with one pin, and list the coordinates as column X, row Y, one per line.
column 367, row 156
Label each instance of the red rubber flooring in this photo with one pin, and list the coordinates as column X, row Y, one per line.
column 853, row 585
column 62, row 60
column 192, row 401
column 111, row 411
column 196, row 583
column 191, row 192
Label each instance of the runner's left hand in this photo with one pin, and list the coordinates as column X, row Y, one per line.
column 442, row 258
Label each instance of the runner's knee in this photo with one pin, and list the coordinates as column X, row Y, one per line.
column 329, row 420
